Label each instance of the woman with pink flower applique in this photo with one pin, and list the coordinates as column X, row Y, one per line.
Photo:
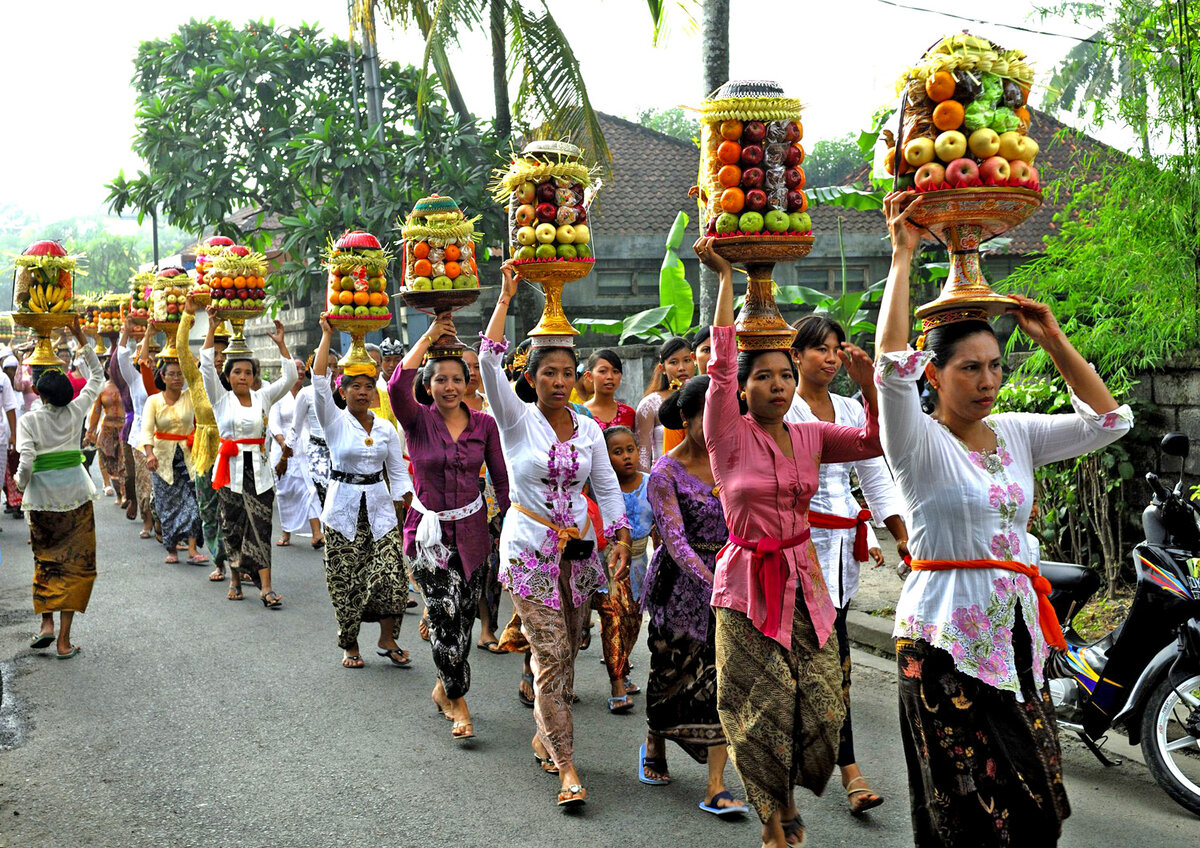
column 973, row 624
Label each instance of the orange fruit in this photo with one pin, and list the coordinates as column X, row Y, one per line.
column 421, row 249
column 452, row 252
column 361, row 298
column 940, row 87
column 731, row 130
column 729, row 153
column 800, row 127
column 422, row 267
column 453, row 269
column 732, row 200
column 376, row 299
column 889, row 161
column 474, row 268
column 227, row 282
column 346, row 298
column 729, row 175
column 948, row 115
column 1025, row 117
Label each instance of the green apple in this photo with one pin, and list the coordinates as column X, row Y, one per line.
column 546, row 251
column 223, row 303
column 565, row 234
column 727, row 222
column 465, row 281
column 377, row 311
column 442, row 283
column 799, row 222
column 750, row 222
column 362, row 311
column 526, row 235
column 583, row 234
column 776, row 221
column 235, row 303
column 567, row 251
column 526, row 252
column 346, row 311
column 421, row 284
column 582, row 251
column 546, row 233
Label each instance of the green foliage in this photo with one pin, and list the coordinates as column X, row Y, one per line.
column 261, row 118
column 833, row 161
column 674, row 122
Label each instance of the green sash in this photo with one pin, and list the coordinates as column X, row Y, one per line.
column 57, row 459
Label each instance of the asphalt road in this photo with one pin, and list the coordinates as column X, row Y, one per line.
column 189, row 720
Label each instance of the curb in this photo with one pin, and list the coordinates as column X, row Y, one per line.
column 871, row 633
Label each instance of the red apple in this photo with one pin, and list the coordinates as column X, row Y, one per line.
column 753, row 178
column 753, row 132
column 756, row 200
column 930, row 176
column 792, row 157
column 962, row 173
column 752, row 155
column 793, row 178
column 995, row 169
column 792, row 134
column 796, row 201
column 546, row 192
column 1021, row 174
column 580, row 214
column 547, row 212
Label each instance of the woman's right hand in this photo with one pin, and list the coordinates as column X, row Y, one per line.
column 897, row 207
column 326, row 327
column 443, row 325
column 710, row 257
column 213, row 312
column 189, row 305
column 152, row 462
column 512, row 279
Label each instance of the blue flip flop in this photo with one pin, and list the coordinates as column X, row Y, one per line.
column 712, row 807
column 658, row 765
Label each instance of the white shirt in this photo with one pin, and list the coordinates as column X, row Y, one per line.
column 51, row 429
column 834, row 496
column 350, row 452
column 235, row 421
column 132, row 375
column 8, row 400
column 965, row 505
column 304, row 415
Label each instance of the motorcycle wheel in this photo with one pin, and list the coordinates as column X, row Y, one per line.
column 1172, row 753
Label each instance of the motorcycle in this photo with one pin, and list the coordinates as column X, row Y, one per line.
column 1144, row 676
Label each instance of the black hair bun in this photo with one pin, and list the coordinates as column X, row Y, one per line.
column 669, row 413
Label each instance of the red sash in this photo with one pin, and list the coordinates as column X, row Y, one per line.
column 228, row 450
column 837, row 522
column 768, row 570
column 190, row 438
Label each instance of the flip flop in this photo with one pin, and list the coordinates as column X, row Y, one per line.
column 172, row 559
column 462, row 730
column 317, row 545
column 282, row 544
column 620, row 704
column 732, row 810
column 353, row 662
column 528, row 678
column 145, row 534
column 74, row 650
column 396, row 655
column 41, row 640
column 863, row 799
column 656, row 764
column 631, row 688
column 198, row 559
column 795, row 827
column 572, row 796
column 217, row 576
column 490, row 646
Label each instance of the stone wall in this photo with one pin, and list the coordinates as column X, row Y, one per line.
column 1174, row 391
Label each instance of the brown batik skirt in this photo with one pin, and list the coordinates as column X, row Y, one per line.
column 64, row 558
column 782, row 710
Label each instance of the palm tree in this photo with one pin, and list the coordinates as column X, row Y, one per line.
column 715, row 58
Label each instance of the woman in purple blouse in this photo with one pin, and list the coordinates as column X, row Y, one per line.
column 446, row 532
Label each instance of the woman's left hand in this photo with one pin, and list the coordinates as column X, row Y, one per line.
column 858, row 365
column 709, row 257
column 277, row 336
column 1036, row 320
column 326, row 327
column 619, row 563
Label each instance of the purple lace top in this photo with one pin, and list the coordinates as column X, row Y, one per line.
column 691, row 522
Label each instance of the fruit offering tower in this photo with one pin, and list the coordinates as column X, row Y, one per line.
column 238, row 276
column 206, row 253
column 43, row 295
column 6, row 328
column 141, row 287
column 549, row 193
column 965, row 146
column 357, row 302
column 965, row 119
column 109, row 318
column 751, row 164
column 170, row 291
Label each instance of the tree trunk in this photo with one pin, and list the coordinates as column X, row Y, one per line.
column 715, row 58
column 372, row 85
column 441, row 66
column 499, row 29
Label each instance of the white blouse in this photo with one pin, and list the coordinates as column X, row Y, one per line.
column 964, row 505
column 355, row 451
column 304, row 416
column 835, row 548
column 50, row 429
column 235, row 421
column 132, row 375
column 546, row 477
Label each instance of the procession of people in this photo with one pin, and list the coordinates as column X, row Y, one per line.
column 718, row 521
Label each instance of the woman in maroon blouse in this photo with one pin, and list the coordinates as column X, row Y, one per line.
column 446, row 532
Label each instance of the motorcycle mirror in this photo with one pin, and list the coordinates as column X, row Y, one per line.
column 1175, row 444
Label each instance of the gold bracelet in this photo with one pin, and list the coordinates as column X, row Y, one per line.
column 626, row 545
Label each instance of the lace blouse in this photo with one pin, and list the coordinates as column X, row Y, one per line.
column 162, row 417
column 962, row 505
column 649, row 431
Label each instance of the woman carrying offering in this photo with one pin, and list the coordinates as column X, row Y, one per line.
column 206, row 440
column 605, row 367
column 364, row 566
column 297, row 497
column 58, row 497
column 675, row 364
column 446, row 533
column 778, row 677
column 168, row 428
column 974, row 626
column 547, row 547
column 243, row 477
column 841, row 530
column 681, row 693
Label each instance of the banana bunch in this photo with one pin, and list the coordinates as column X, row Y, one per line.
column 47, row 298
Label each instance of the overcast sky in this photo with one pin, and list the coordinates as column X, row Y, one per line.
column 68, row 104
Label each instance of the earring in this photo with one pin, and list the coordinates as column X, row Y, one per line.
column 741, row 395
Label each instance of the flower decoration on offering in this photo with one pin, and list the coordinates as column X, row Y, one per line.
column 43, row 293
column 440, row 273
column 141, row 289
column 549, row 192
column 751, row 176
column 966, row 148
column 358, row 300
column 206, row 253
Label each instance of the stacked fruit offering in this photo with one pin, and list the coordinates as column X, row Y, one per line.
column 549, row 192
column 44, row 278
column 109, row 316
column 89, row 315
column 170, row 291
column 357, row 263
column 206, row 253
column 751, row 181
column 439, row 247
column 141, row 287
column 965, row 119
column 237, row 279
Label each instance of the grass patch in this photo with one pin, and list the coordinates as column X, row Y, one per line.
column 1101, row 615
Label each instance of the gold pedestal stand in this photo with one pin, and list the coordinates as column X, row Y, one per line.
column 237, row 319
column 554, row 330
column 437, row 303
column 759, row 324
column 356, row 361
column 43, row 324
column 169, row 329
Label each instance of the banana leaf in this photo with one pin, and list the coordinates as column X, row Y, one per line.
column 848, row 197
column 673, row 288
column 646, row 323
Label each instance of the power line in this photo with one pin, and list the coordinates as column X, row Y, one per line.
column 993, row 23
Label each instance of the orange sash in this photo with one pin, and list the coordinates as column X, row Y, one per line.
column 228, row 450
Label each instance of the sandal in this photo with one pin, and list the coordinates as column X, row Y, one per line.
column 353, row 661
column 235, row 593
column 620, row 704
column 713, row 805
column 271, row 600
column 491, row 646
column 462, row 730
column 283, row 543
column 399, row 657
column 572, row 796
column 794, row 827
column 172, row 559
column 318, row 544
column 198, row 559
column 423, row 628
column 631, row 688
column 217, row 575
column 75, row 649
column 862, row 799
column 658, row 765
column 145, row 534
column 545, row 763
column 528, row 702
column 41, row 640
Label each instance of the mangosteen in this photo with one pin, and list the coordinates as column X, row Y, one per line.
column 1014, row 98
column 968, row 87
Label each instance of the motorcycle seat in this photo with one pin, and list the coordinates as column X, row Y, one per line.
column 1070, row 585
